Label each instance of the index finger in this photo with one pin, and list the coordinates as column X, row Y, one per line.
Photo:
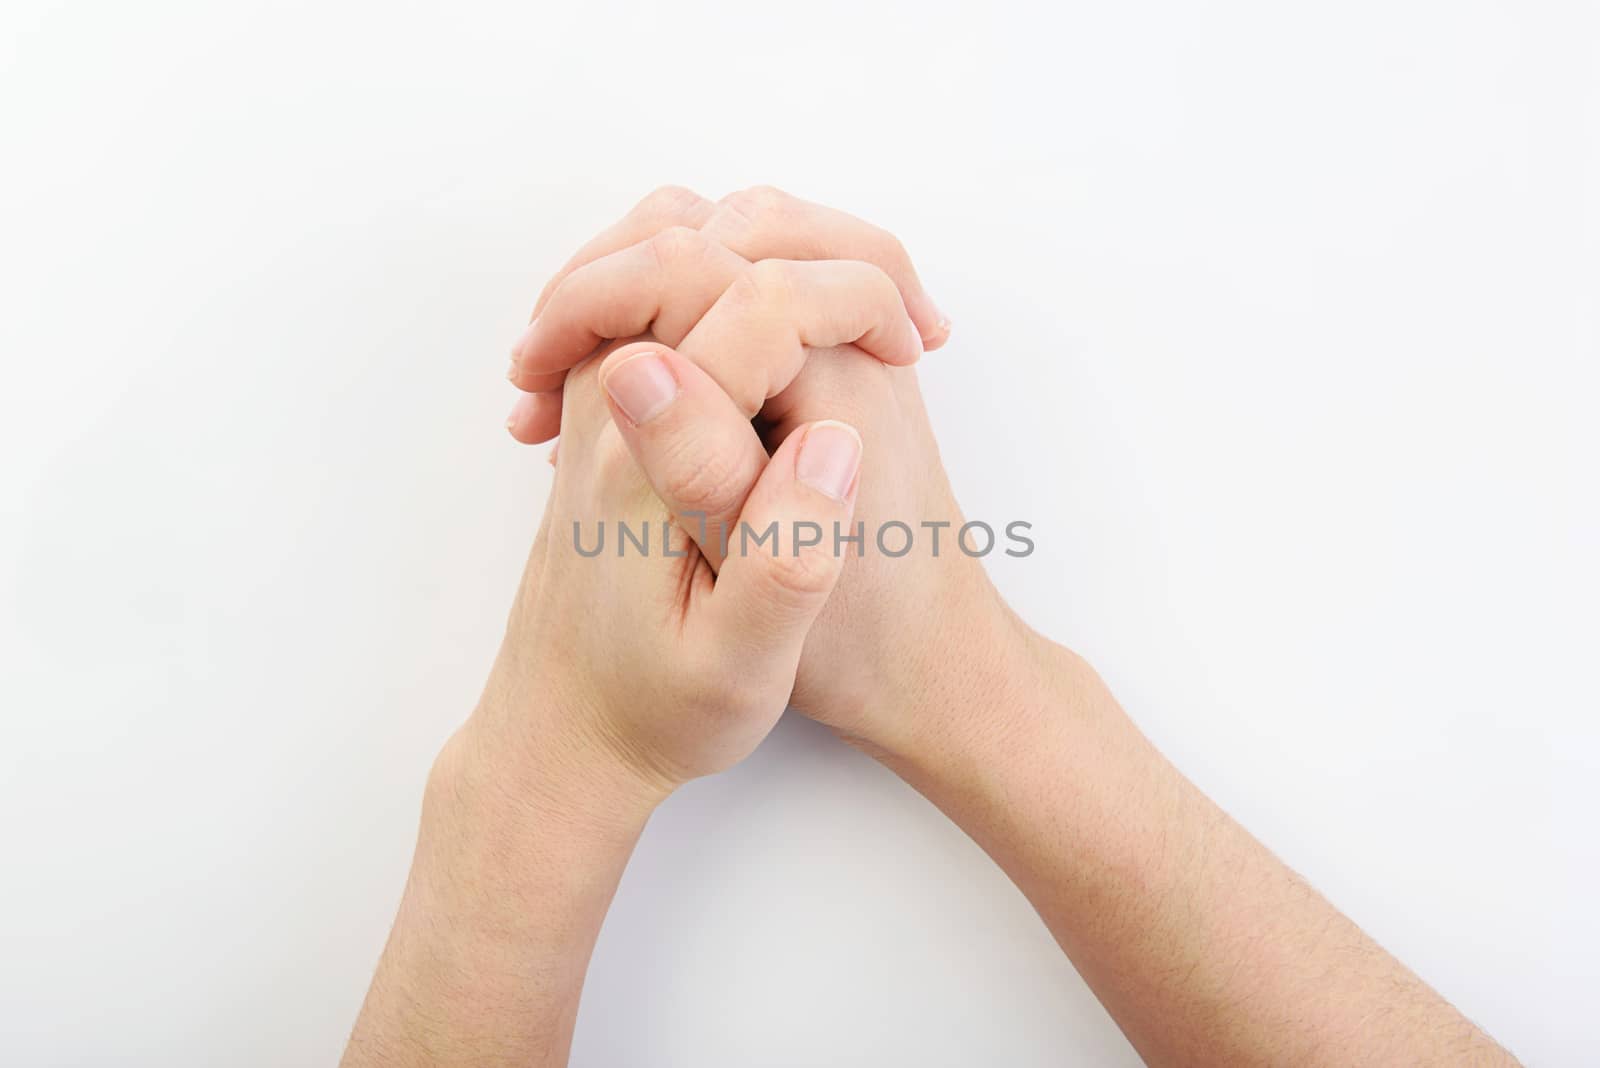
column 762, row 223
column 664, row 208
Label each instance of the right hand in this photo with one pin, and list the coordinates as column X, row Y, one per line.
column 904, row 641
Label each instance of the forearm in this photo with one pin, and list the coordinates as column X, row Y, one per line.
column 517, row 860
column 1203, row 946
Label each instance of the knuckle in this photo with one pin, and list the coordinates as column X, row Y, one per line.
column 756, row 203
column 765, row 285
column 677, row 244
column 892, row 249
column 769, row 196
column 702, row 481
column 876, row 280
column 797, row 580
column 771, row 276
column 670, row 202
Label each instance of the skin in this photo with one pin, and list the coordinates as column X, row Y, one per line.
column 620, row 679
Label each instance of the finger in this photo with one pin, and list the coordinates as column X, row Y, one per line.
column 764, row 223
column 669, row 206
column 697, row 450
column 535, row 417
column 764, row 601
column 663, row 284
column 753, row 341
column 585, row 410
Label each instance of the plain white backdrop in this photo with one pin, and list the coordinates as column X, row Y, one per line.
column 1281, row 322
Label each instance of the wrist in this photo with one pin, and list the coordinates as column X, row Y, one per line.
column 526, row 797
column 1047, row 737
column 515, row 866
column 506, row 771
column 507, row 842
column 994, row 703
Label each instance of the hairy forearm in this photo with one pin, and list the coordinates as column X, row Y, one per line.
column 517, row 860
column 1204, row 947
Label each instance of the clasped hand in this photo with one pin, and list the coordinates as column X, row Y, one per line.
column 771, row 400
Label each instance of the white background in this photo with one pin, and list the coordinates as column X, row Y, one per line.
column 1280, row 321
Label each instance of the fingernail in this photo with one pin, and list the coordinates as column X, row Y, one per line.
column 511, row 372
column 829, row 458
column 519, row 411
column 642, row 385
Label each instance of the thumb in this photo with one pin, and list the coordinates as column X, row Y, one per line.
column 787, row 550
